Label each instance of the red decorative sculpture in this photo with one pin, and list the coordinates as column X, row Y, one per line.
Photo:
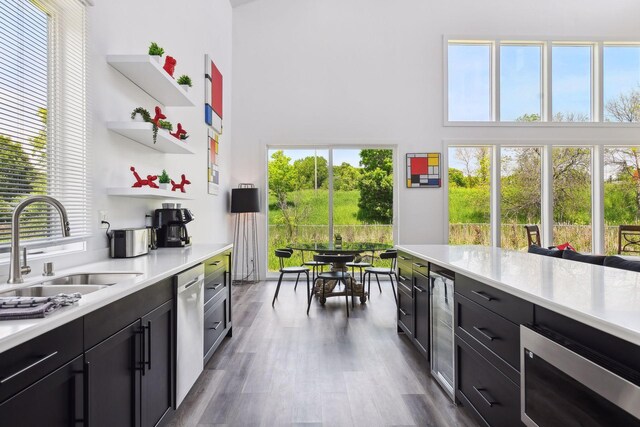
column 159, row 116
column 180, row 186
column 169, row 65
column 178, row 133
column 142, row 182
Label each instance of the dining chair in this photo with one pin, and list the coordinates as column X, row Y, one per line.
column 533, row 235
column 316, row 266
column 282, row 254
column 390, row 254
column 628, row 239
column 338, row 276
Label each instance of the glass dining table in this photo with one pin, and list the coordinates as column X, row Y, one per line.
column 348, row 248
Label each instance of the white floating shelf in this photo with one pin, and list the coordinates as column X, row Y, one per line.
column 148, row 74
column 148, row 193
column 142, row 132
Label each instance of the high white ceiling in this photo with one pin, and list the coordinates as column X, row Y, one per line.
column 236, row 3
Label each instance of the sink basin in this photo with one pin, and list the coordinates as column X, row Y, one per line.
column 49, row 291
column 84, row 279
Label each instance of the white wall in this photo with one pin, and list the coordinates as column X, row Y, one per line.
column 358, row 71
column 186, row 32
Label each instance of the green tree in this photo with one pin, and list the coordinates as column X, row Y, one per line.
column 306, row 169
column 624, row 108
column 283, row 177
column 456, row 177
column 345, row 177
column 376, row 186
column 15, row 165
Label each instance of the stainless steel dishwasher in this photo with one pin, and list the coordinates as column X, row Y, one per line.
column 189, row 329
column 442, row 350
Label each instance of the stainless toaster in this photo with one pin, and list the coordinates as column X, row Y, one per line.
column 129, row 242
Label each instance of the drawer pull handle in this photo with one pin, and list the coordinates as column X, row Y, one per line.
column 487, row 399
column 213, row 264
column 217, row 325
column 404, row 313
column 483, row 295
column 191, row 283
column 420, row 289
column 404, row 279
column 417, row 264
column 216, row 286
column 482, row 332
column 23, row 370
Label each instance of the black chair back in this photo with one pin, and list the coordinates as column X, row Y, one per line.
column 334, row 258
column 628, row 239
column 391, row 254
column 282, row 254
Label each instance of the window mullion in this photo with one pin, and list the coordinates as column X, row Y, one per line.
column 546, row 206
column 597, row 199
column 598, row 82
column 495, row 214
column 330, row 166
column 547, row 81
column 495, row 80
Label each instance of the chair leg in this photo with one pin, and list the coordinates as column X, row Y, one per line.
column 277, row 290
column 297, row 278
column 353, row 282
column 308, row 294
column 346, row 295
column 379, row 287
column 393, row 288
column 369, row 285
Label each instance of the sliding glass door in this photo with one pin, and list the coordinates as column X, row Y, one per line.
column 315, row 194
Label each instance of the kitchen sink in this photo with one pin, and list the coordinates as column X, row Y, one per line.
column 84, row 279
column 49, row 291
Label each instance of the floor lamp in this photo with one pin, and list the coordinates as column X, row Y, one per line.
column 245, row 202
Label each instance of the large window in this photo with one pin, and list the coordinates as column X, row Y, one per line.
column 305, row 208
column 621, row 83
column 469, row 195
column 520, row 83
column 621, row 192
column 572, row 83
column 572, row 197
column 42, row 116
column 469, row 82
column 538, row 81
column 521, row 193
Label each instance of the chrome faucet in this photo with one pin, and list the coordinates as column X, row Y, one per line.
column 15, row 270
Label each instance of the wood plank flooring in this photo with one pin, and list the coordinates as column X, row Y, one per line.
column 284, row 368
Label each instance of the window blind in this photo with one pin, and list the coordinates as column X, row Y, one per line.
column 43, row 116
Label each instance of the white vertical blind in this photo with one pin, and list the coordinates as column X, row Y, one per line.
column 43, row 115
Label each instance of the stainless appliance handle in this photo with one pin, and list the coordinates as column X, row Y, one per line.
column 617, row 390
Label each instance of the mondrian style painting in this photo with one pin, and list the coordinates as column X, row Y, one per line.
column 213, row 168
column 212, row 95
column 424, row 170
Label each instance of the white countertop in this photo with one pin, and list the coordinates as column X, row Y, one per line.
column 155, row 266
column 606, row 298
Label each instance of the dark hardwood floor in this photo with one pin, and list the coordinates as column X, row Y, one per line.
column 284, row 368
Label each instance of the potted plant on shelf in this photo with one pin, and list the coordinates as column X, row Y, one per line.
column 185, row 82
column 155, row 51
column 163, row 180
column 142, row 115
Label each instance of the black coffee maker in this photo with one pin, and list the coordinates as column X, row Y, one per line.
column 171, row 228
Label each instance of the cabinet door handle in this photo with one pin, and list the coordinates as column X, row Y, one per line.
column 482, row 332
column 213, row 264
column 420, row 289
column 217, row 325
column 191, row 283
column 485, row 396
column 483, row 295
column 25, row 369
column 401, row 277
column 404, row 313
column 143, row 364
column 87, row 394
column 148, row 361
column 417, row 264
column 215, row 287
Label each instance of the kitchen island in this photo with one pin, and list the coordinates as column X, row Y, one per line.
column 505, row 304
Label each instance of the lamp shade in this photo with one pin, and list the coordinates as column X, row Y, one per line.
column 245, row 200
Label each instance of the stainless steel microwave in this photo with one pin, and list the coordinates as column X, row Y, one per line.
column 565, row 384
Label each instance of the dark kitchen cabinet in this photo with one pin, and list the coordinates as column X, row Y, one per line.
column 217, row 303
column 56, row 400
column 159, row 367
column 421, row 310
column 113, row 371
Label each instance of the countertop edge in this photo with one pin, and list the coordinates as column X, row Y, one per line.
column 69, row 314
column 595, row 322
